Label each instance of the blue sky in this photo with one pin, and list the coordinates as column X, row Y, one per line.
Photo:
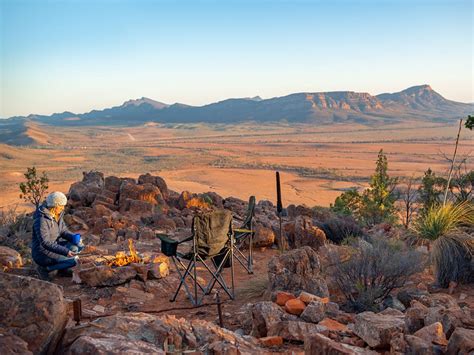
column 82, row 55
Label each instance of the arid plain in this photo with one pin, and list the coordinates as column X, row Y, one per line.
column 317, row 162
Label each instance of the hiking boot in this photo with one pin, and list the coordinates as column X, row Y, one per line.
column 65, row 273
column 43, row 273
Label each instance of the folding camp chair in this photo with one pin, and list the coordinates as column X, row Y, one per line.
column 212, row 242
column 245, row 232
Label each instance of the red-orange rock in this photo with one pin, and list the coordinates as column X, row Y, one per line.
column 295, row 306
column 282, row 297
column 307, row 297
column 272, row 341
column 331, row 324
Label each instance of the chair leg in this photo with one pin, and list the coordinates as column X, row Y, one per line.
column 194, row 300
column 217, row 277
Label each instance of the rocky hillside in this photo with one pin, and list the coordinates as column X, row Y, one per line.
column 418, row 102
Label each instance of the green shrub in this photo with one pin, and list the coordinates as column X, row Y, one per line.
column 451, row 248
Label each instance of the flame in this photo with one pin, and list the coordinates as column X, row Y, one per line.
column 197, row 202
column 122, row 259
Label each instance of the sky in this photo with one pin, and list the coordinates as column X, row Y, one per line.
column 73, row 55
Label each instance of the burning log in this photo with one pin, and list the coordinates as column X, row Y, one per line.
column 122, row 259
column 121, row 268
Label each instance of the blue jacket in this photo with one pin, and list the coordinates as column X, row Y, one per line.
column 46, row 232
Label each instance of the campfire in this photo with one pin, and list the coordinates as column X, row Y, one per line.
column 122, row 259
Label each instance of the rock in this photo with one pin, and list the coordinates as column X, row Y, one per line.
column 10, row 258
column 104, row 275
column 91, row 239
column 301, row 232
column 297, row 270
column 158, row 270
column 318, row 344
column 98, row 308
column 11, row 344
column 152, row 334
column 433, row 333
column 108, row 236
column 393, row 302
column 461, row 342
column 33, row 310
column 419, row 346
column 294, row 330
column 376, row 329
column 140, row 207
column 450, row 318
column 333, row 325
column 392, row 312
column 307, row 298
column 314, row 312
column 408, row 295
column 264, row 315
column 75, row 223
column 111, row 344
column 163, row 222
column 264, row 237
column 282, row 297
column 271, row 341
column 415, row 316
column 142, row 270
column 156, row 181
column 295, row 306
column 146, row 234
column 112, row 184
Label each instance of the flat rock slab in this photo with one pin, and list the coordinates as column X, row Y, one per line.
column 378, row 329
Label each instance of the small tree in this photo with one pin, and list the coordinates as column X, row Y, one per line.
column 409, row 196
column 35, row 187
column 379, row 199
column 377, row 203
column 469, row 122
column 430, row 190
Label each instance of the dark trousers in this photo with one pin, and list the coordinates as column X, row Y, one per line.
column 63, row 262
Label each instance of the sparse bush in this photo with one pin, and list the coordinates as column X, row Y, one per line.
column 15, row 229
column 35, row 187
column 452, row 248
column 339, row 228
column 373, row 270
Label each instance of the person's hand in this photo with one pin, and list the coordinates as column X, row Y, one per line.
column 71, row 254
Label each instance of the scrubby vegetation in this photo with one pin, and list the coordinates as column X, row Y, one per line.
column 377, row 203
column 372, row 270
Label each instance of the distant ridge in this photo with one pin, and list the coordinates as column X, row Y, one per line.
column 417, row 102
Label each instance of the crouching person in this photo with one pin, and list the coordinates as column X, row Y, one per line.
column 53, row 246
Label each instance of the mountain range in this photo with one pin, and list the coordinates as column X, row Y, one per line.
column 417, row 102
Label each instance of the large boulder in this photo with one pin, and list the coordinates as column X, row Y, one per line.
column 461, row 342
column 33, row 310
column 9, row 258
column 131, row 192
column 378, row 329
column 11, row 344
column 83, row 193
column 116, row 334
column 297, row 270
column 154, row 180
column 301, row 232
column 259, row 317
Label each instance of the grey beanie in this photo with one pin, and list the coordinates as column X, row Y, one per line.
column 56, row 198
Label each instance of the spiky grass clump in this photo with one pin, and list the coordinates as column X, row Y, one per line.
column 451, row 256
column 452, row 248
column 442, row 220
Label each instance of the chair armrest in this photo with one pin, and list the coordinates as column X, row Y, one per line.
column 169, row 246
